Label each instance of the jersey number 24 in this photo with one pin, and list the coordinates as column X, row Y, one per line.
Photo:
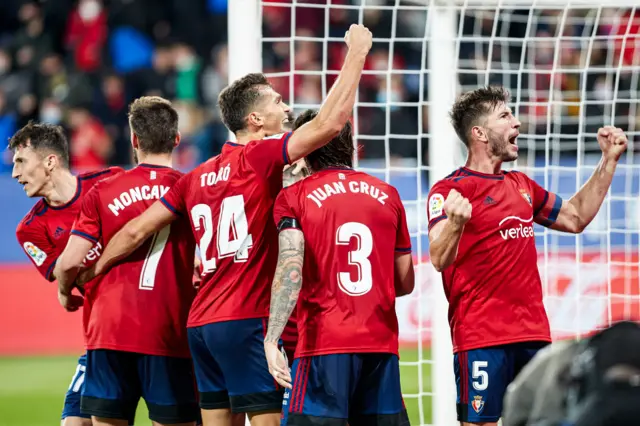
column 231, row 221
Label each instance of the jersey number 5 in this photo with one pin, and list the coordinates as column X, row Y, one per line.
column 358, row 258
column 232, row 221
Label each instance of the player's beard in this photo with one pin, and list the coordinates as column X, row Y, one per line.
column 501, row 148
column 135, row 156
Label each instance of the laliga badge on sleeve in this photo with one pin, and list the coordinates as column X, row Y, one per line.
column 436, row 206
column 35, row 253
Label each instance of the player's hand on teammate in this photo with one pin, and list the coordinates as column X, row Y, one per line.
column 359, row 38
column 70, row 302
column 457, row 208
column 294, row 173
column 612, row 141
column 85, row 275
column 277, row 364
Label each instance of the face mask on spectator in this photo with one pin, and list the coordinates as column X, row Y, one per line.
column 89, row 10
column 52, row 115
column 395, row 97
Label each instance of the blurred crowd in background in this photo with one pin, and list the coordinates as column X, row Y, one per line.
column 79, row 63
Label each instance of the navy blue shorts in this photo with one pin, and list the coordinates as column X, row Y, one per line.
column 72, row 398
column 341, row 389
column 482, row 377
column 231, row 368
column 115, row 381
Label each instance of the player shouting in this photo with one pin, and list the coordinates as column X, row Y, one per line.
column 344, row 235
column 135, row 315
column 229, row 200
column 488, row 258
column 41, row 166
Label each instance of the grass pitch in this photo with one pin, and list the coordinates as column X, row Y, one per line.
column 32, row 389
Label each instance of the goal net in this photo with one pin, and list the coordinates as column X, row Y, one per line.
column 571, row 67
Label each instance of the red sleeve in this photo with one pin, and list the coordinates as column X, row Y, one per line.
column 102, row 174
column 403, row 240
column 546, row 205
column 36, row 245
column 87, row 224
column 113, row 171
column 282, row 207
column 174, row 200
column 435, row 205
column 269, row 155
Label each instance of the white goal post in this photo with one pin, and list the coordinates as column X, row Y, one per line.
column 571, row 66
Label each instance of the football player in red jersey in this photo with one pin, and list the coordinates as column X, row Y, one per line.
column 135, row 315
column 229, row 201
column 292, row 174
column 41, row 166
column 343, row 234
column 482, row 241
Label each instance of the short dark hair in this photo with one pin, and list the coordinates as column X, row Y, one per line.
column 237, row 100
column 42, row 137
column 338, row 152
column 155, row 122
column 472, row 106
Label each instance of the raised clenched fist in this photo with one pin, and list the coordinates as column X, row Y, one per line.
column 612, row 141
column 359, row 38
column 457, row 208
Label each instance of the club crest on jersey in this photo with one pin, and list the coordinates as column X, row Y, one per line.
column 526, row 196
column 477, row 403
column 35, row 253
column 436, row 206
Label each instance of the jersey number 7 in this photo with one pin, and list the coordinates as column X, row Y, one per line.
column 232, row 221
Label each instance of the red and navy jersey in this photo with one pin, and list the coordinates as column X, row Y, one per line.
column 141, row 304
column 43, row 233
column 229, row 201
column 493, row 286
column 353, row 225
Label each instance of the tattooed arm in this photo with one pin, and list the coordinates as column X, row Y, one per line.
column 287, row 282
column 285, row 290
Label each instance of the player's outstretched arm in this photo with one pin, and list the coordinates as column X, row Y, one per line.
column 445, row 235
column 578, row 212
column 67, row 268
column 404, row 275
column 285, row 290
column 133, row 234
column 337, row 107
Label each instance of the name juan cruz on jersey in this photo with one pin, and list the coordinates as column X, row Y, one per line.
column 320, row 194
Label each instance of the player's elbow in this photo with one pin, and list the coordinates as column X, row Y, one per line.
column 570, row 220
column 405, row 287
column 578, row 227
column 134, row 234
column 331, row 126
column 404, row 275
column 572, row 223
column 64, row 264
column 440, row 263
column 436, row 260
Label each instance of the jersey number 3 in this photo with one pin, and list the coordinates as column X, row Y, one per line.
column 232, row 234
column 358, row 258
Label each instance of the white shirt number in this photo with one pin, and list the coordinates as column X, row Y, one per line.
column 358, row 258
column 232, row 236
